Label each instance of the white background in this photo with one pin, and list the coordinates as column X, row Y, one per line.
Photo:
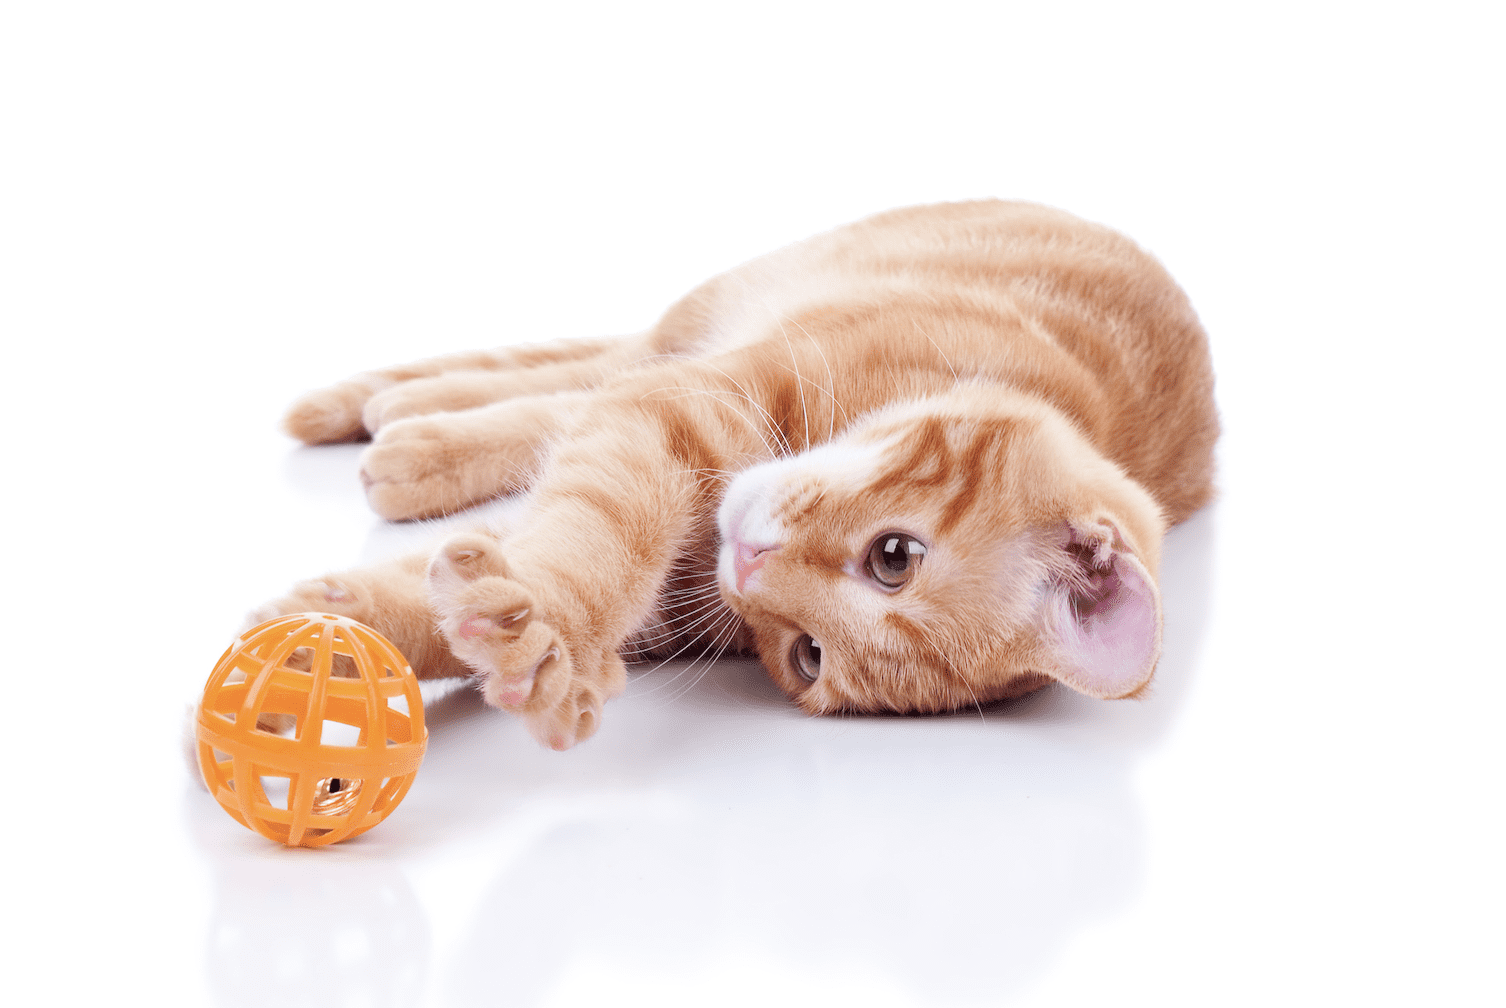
column 206, row 209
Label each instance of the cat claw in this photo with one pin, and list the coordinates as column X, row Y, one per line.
column 495, row 625
column 489, row 621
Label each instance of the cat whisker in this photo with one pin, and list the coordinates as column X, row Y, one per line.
column 710, row 475
column 950, row 671
column 773, row 424
column 781, row 318
column 688, row 580
column 831, row 421
column 706, row 600
column 944, row 357
column 725, row 633
column 720, row 628
column 671, row 628
column 805, row 413
column 831, row 382
column 689, row 584
column 679, row 595
column 716, row 394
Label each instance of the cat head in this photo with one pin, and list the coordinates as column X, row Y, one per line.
column 940, row 556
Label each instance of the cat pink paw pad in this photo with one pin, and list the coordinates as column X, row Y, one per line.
column 477, row 626
column 514, row 696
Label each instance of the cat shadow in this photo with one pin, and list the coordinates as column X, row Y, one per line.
column 727, row 832
column 712, row 829
column 328, row 472
column 954, row 855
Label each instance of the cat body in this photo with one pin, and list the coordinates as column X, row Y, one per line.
column 920, row 462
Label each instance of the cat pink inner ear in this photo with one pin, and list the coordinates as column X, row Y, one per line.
column 1107, row 627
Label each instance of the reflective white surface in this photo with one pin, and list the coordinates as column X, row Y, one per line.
column 209, row 212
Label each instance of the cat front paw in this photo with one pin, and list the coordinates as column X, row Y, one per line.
column 327, row 595
column 556, row 681
column 446, row 393
column 389, row 597
column 329, row 415
column 415, row 469
column 423, row 467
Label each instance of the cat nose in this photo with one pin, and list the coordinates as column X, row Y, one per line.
column 747, row 559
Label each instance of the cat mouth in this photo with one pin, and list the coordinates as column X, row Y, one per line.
column 747, row 560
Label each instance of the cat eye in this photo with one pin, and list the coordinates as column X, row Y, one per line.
column 894, row 557
column 805, row 657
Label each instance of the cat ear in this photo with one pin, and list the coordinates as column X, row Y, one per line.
column 1103, row 618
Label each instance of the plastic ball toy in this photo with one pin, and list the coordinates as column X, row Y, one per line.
column 311, row 729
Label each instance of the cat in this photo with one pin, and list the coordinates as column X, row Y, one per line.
column 918, row 463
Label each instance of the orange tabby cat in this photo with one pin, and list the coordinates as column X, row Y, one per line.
column 921, row 462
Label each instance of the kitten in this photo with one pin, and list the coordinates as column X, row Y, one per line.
column 918, row 463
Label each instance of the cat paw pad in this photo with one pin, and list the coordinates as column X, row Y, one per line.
column 526, row 664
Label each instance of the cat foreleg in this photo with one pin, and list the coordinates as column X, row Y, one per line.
column 536, row 657
column 389, row 597
column 337, row 412
column 542, row 614
column 427, row 466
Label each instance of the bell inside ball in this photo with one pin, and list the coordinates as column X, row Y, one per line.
column 311, row 729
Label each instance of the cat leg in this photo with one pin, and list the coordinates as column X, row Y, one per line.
column 427, row 466
column 389, row 597
column 463, row 390
column 552, row 671
column 334, row 413
column 542, row 613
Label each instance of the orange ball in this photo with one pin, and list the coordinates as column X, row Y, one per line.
column 357, row 729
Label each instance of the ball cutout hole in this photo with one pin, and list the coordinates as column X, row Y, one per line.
column 277, row 724
column 388, row 794
column 338, row 733
column 275, row 789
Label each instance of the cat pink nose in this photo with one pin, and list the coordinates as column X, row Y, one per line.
column 746, row 560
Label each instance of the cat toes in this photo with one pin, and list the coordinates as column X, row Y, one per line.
column 491, row 626
column 335, row 596
column 417, row 468
column 573, row 719
column 329, row 415
column 466, row 557
column 330, row 595
column 424, row 396
column 526, row 665
column 398, row 403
